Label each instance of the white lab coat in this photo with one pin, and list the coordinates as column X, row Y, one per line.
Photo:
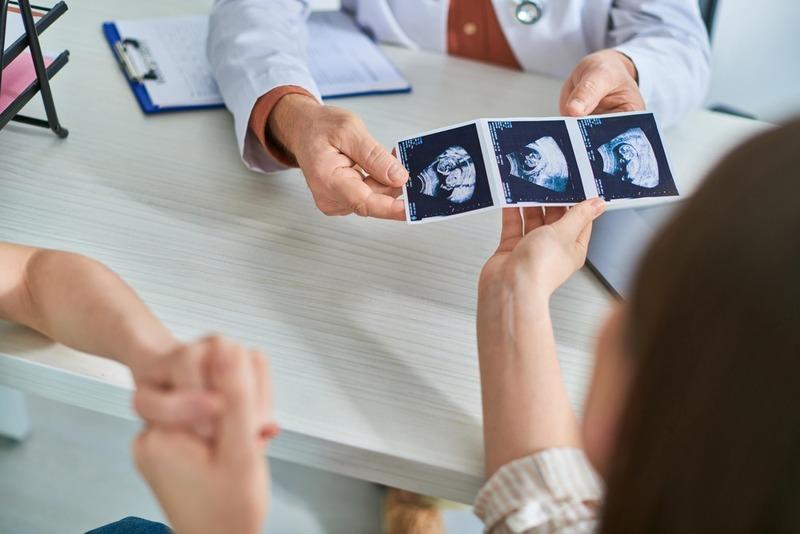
column 257, row 45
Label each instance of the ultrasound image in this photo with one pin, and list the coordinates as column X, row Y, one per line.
column 630, row 157
column 541, row 163
column 451, row 175
column 536, row 162
column 627, row 156
column 448, row 174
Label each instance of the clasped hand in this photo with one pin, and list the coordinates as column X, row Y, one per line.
column 208, row 413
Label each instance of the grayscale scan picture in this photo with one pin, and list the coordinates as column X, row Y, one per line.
column 536, row 161
column 447, row 173
column 627, row 157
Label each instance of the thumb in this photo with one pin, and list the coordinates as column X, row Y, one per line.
column 578, row 217
column 593, row 85
column 362, row 148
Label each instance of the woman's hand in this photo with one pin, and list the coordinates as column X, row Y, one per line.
column 219, row 484
column 540, row 249
column 525, row 405
column 173, row 387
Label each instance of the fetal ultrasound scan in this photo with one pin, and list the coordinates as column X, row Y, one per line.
column 447, row 173
column 536, row 162
column 451, row 175
column 627, row 157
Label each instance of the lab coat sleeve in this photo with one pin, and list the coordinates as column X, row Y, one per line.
column 668, row 42
column 253, row 47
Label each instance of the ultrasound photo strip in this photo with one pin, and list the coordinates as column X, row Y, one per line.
column 558, row 161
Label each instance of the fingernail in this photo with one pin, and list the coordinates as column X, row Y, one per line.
column 599, row 205
column 269, row 431
column 578, row 105
column 397, row 173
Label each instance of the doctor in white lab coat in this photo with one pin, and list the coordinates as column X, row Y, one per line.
column 615, row 55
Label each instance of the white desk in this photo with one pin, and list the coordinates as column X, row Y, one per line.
column 369, row 324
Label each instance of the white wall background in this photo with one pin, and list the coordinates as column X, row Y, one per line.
column 757, row 58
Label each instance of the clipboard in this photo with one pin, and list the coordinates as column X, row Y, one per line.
column 163, row 60
column 123, row 50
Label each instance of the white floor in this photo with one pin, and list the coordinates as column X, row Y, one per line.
column 74, row 473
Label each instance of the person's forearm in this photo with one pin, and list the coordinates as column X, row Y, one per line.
column 80, row 303
column 525, row 404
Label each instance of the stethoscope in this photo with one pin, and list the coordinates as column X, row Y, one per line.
column 529, row 11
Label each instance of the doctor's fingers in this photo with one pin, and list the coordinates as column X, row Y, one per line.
column 623, row 99
column 381, row 189
column 356, row 195
column 588, row 90
column 566, row 91
column 357, row 144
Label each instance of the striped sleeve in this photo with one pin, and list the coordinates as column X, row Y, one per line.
column 555, row 490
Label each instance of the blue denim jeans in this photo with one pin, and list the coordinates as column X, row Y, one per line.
column 132, row 525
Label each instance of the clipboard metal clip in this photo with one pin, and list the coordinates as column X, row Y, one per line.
column 125, row 50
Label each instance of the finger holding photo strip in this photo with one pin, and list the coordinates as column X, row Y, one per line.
column 557, row 161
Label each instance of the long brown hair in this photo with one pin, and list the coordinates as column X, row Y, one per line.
column 710, row 439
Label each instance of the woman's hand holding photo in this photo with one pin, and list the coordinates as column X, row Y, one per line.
column 525, row 404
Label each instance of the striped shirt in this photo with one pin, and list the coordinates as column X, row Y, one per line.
column 553, row 491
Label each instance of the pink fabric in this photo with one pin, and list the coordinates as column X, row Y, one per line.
column 17, row 76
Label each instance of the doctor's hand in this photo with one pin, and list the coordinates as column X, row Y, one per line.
column 331, row 146
column 603, row 82
column 208, row 486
